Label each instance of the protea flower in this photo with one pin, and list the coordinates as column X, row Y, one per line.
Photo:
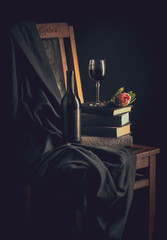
column 123, row 99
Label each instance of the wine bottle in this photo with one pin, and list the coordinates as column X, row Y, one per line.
column 71, row 112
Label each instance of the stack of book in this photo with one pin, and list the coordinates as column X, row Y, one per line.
column 106, row 126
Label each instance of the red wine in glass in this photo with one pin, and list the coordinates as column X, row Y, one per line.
column 97, row 71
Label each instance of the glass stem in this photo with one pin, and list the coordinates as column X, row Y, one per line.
column 98, row 92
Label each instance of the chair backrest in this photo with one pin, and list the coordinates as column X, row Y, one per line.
column 68, row 52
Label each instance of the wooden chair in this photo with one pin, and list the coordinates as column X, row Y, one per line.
column 146, row 156
column 66, row 38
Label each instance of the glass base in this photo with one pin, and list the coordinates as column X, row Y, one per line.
column 95, row 104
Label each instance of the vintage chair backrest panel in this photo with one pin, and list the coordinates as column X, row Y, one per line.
column 59, row 38
column 52, row 48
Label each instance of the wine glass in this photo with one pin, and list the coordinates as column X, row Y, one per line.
column 97, row 70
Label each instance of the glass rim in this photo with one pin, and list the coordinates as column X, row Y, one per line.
column 97, row 59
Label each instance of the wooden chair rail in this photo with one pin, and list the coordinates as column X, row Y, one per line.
column 53, row 30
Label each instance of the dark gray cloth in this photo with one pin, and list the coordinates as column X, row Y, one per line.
column 96, row 180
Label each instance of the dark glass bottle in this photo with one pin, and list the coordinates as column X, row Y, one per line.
column 71, row 112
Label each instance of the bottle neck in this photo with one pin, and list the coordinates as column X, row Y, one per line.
column 70, row 81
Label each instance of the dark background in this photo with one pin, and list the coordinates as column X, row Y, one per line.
column 131, row 37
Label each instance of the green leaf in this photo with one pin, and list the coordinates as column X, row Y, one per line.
column 133, row 96
column 120, row 90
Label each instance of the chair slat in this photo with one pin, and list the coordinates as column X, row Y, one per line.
column 53, row 30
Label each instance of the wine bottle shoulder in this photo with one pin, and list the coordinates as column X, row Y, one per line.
column 70, row 99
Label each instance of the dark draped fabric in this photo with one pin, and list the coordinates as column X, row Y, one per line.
column 99, row 181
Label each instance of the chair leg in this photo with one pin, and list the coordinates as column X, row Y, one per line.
column 152, row 195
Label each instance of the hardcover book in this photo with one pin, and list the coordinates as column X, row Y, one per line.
column 104, row 131
column 88, row 119
column 105, row 110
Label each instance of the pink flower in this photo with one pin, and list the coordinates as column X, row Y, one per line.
column 122, row 99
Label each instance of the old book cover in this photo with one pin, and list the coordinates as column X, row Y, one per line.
column 105, row 110
column 104, row 131
column 88, row 119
